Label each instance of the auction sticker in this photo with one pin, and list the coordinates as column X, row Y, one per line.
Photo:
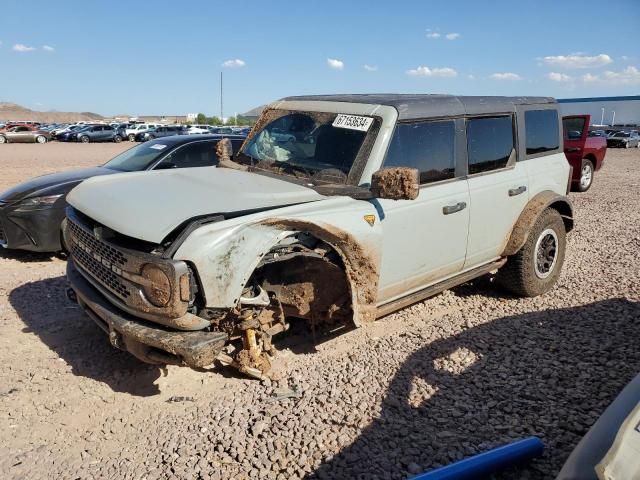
column 158, row 146
column 353, row 122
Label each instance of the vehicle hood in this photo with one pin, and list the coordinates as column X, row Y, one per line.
column 150, row 205
column 51, row 184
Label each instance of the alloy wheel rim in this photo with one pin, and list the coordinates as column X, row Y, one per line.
column 585, row 177
column 546, row 253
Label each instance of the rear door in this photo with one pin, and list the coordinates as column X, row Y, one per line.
column 107, row 133
column 498, row 186
column 575, row 130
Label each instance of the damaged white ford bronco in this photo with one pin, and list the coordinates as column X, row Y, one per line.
column 335, row 211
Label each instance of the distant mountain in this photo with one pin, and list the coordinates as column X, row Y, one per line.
column 254, row 112
column 13, row 111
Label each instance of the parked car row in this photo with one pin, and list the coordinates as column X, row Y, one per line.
column 14, row 132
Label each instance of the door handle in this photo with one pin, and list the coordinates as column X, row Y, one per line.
column 517, row 191
column 449, row 209
column 573, row 149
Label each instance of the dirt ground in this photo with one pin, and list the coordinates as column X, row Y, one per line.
column 465, row 371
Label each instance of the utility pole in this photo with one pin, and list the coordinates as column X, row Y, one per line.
column 613, row 119
column 221, row 110
column 602, row 118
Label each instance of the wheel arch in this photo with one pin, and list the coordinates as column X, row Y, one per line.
column 528, row 217
column 360, row 267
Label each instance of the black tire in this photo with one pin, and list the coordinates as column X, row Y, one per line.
column 132, row 138
column 41, row 139
column 117, row 139
column 586, row 176
column 525, row 273
column 84, row 139
column 3, row 139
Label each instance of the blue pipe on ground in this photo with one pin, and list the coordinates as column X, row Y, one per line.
column 489, row 462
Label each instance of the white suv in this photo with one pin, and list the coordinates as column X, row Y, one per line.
column 373, row 203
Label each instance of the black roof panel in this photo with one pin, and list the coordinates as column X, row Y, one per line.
column 411, row 106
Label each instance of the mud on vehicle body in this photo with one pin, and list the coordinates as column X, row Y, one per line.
column 336, row 210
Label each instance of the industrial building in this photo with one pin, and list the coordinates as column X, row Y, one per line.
column 613, row 111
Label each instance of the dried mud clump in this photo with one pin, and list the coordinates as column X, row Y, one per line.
column 396, row 183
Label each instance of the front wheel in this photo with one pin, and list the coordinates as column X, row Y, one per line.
column 3, row 139
column 536, row 267
column 84, row 139
column 41, row 139
column 586, row 175
column 117, row 139
column 132, row 138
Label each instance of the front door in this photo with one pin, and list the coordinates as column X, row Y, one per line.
column 424, row 240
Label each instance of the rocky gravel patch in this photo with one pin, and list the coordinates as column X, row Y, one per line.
column 468, row 370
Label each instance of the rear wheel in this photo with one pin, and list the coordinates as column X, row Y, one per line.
column 535, row 268
column 586, row 175
column 84, row 139
column 41, row 139
column 117, row 139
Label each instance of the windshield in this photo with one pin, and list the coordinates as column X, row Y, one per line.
column 138, row 158
column 321, row 147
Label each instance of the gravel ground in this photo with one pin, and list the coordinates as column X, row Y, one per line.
column 465, row 371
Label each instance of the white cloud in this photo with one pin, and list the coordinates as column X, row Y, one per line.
column 628, row 76
column 19, row 47
column 423, row 71
column 335, row 63
column 433, row 35
column 452, row 36
column 471, row 77
column 48, row 48
column 370, row 68
column 234, row 63
column 578, row 61
column 558, row 77
column 624, row 58
column 506, row 76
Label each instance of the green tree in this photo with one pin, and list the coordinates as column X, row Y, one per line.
column 201, row 118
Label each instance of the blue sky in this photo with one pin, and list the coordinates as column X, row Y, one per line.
column 165, row 57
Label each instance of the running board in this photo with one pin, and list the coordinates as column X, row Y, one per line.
column 436, row 288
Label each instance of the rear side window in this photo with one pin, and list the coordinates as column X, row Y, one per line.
column 541, row 131
column 427, row 146
column 489, row 143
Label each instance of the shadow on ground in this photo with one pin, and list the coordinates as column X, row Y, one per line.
column 65, row 329
column 28, row 257
column 549, row 373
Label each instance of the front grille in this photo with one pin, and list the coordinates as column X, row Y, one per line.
column 99, row 259
column 105, row 276
column 97, row 247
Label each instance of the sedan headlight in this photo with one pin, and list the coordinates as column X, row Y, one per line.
column 36, row 202
column 157, row 287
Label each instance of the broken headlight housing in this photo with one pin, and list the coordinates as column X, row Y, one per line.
column 157, row 285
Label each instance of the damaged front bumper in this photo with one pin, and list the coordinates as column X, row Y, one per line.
column 152, row 343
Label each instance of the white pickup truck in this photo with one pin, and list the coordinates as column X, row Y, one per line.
column 373, row 203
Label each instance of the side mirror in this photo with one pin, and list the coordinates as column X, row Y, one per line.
column 396, row 183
